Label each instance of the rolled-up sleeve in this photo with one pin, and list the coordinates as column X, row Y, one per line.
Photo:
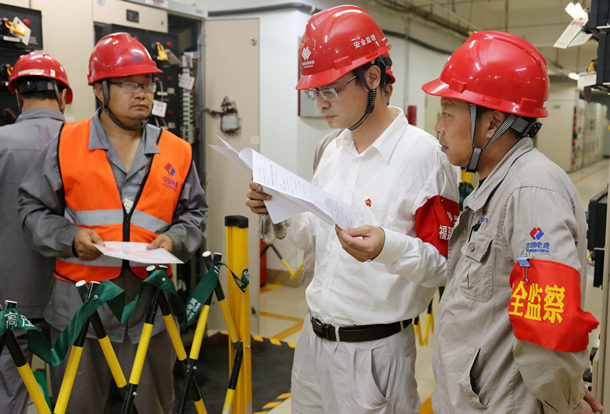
column 41, row 206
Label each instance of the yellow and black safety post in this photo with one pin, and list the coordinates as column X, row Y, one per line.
column 24, row 369
column 237, row 261
column 293, row 273
column 195, row 347
column 138, row 363
column 417, row 330
column 102, row 338
column 174, row 335
column 234, row 335
column 429, row 323
column 73, row 361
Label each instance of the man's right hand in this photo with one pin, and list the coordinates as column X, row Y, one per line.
column 256, row 198
column 83, row 244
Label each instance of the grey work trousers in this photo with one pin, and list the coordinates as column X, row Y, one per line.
column 90, row 394
column 373, row 377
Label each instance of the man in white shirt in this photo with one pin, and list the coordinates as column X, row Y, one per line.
column 356, row 353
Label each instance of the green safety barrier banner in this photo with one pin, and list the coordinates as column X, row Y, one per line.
column 201, row 293
column 114, row 296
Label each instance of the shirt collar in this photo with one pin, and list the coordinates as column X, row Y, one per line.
column 99, row 140
column 386, row 142
column 479, row 197
column 41, row 113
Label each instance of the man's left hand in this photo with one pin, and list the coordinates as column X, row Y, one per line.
column 589, row 403
column 162, row 241
column 363, row 243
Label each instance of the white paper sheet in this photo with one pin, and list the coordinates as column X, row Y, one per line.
column 291, row 194
column 137, row 252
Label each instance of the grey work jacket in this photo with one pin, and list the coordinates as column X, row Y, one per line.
column 25, row 275
column 41, row 210
column 479, row 366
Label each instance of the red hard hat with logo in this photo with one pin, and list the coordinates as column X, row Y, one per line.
column 337, row 41
column 496, row 70
column 42, row 65
column 117, row 55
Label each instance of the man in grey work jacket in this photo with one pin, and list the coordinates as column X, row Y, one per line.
column 41, row 87
column 511, row 336
column 113, row 178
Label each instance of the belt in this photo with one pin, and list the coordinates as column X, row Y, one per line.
column 358, row 333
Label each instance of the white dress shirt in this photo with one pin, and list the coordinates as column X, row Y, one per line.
column 386, row 184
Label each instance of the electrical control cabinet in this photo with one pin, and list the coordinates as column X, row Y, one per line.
column 20, row 33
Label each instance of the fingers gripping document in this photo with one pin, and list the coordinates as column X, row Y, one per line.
column 291, row 194
column 137, row 252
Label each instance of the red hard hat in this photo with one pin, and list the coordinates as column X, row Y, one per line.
column 496, row 70
column 42, row 65
column 117, row 55
column 337, row 41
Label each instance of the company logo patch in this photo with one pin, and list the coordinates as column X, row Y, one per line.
column 170, row 169
column 169, row 183
column 536, row 233
column 537, row 246
column 138, row 56
column 306, row 53
column 367, row 202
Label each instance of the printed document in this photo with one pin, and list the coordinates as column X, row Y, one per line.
column 291, row 194
column 137, row 252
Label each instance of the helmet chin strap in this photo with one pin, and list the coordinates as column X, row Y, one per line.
column 106, row 92
column 58, row 96
column 477, row 151
column 369, row 107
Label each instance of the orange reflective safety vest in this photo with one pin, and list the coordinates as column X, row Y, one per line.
column 93, row 200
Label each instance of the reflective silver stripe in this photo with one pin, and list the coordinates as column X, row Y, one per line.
column 94, row 217
column 148, row 222
column 100, row 261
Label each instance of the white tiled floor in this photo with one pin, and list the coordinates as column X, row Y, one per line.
column 291, row 301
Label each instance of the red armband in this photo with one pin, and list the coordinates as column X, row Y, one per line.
column 544, row 306
column 434, row 222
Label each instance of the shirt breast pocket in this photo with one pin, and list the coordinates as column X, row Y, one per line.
column 477, row 280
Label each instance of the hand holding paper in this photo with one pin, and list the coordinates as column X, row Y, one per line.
column 291, row 194
column 137, row 252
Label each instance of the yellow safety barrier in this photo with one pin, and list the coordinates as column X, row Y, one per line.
column 429, row 323
column 293, row 273
column 417, row 330
column 239, row 303
column 24, row 369
column 236, row 343
column 77, row 349
column 428, row 329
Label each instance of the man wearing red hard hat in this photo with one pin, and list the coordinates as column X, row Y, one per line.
column 356, row 352
column 41, row 87
column 517, row 262
column 113, row 177
column 511, row 336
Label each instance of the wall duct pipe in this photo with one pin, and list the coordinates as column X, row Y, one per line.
column 309, row 9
